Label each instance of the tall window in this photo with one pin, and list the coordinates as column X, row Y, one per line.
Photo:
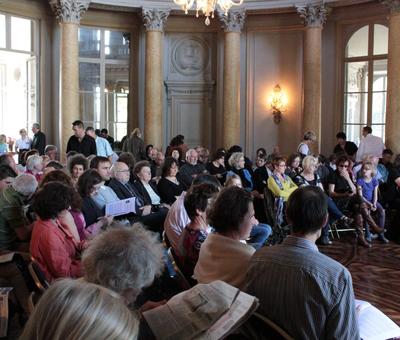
column 104, row 79
column 365, row 89
column 18, row 74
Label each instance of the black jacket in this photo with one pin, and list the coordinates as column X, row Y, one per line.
column 141, row 190
column 39, row 142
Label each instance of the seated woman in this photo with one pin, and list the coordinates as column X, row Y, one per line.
column 144, row 187
column 196, row 202
column 89, row 183
column 52, row 244
column 75, row 309
column 77, row 165
column 293, row 165
column 261, row 174
column 217, row 166
column 237, row 166
column 280, row 184
column 125, row 260
column 34, row 166
column 222, row 255
column 367, row 188
column 168, row 186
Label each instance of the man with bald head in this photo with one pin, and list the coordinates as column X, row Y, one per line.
column 191, row 169
column 124, row 189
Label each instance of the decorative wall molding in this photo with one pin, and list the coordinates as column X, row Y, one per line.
column 190, row 88
column 394, row 5
column 154, row 19
column 69, row 11
column 313, row 15
column 233, row 21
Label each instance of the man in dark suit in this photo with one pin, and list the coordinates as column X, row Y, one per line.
column 121, row 186
column 39, row 139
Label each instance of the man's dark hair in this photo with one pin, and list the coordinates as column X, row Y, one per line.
column 95, row 162
column 235, row 148
column 54, row 164
column 197, row 198
column 7, row 171
column 367, row 129
column 387, row 152
column 341, row 135
column 229, row 209
column 97, row 132
column 89, row 128
column 307, row 209
column 168, row 162
column 341, row 159
column 104, row 131
column 78, row 123
column 51, row 199
column 205, row 178
column 87, row 181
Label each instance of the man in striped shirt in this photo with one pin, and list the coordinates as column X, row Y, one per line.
column 305, row 292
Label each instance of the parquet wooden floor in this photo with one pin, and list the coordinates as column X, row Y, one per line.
column 375, row 271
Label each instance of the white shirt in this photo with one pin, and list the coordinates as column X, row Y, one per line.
column 370, row 145
column 303, row 149
column 155, row 199
column 22, row 144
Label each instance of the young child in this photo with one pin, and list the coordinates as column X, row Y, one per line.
column 3, row 144
column 367, row 188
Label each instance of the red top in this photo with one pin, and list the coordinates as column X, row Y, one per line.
column 56, row 251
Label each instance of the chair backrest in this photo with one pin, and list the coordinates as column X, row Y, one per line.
column 183, row 282
column 165, row 240
column 259, row 327
column 38, row 276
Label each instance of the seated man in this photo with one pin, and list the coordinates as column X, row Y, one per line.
column 191, row 169
column 305, row 292
column 15, row 229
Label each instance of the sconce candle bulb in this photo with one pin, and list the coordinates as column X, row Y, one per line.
column 278, row 102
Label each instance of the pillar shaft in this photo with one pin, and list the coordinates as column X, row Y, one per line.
column 231, row 100
column 69, row 81
column 312, row 83
column 393, row 101
column 153, row 115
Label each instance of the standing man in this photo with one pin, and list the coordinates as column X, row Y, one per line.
column 305, row 292
column 39, row 139
column 80, row 142
column 103, row 147
column 369, row 145
column 343, row 145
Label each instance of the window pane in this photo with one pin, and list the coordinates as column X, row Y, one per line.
column 378, row 130
column 89, row 43
column 380, row 76
column 358, row 43
column 357, row 77
column 120, row 130
column 353, row 133
column 381, row 38
column 356, row 105
column 21, row 34
column 378, row 108
column 89, row 90
column 115, row 45
column 2, row 31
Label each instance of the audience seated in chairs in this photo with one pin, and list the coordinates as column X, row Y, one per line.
column 191, row 169
column 125, row 260
column 15, row 228
column 53, row 243
column 222, row 255
column 169, row 186
column 303, row 291
column 77, row 165
column 75, row 309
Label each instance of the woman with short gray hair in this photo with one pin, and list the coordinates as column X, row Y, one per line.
column 25, row 184
column 124, row 260
column 34, row 166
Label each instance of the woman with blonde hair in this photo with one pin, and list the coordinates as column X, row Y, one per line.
column 135, row 145
column 78, row 310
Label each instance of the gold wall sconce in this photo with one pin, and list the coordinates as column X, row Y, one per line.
column 278, row 102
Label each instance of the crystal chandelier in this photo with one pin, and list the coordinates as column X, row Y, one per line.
column 207, row 6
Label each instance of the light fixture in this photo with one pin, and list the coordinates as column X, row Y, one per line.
column 278, row 102
column 207, row 7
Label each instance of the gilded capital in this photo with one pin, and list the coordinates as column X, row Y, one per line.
column 69, row 11
column 394, row 5
column 233, row 21
column 313, row 15
column 154, row 19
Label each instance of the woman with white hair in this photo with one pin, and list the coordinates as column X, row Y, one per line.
column 34, row 166
column 78, row 310
column 125, row 260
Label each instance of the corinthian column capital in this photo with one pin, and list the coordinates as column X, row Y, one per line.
column 394, row 5
column 313, row 15
column 69, row 11
column 233, row 21
column 155, row 19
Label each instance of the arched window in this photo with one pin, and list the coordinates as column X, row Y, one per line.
column 365, row 87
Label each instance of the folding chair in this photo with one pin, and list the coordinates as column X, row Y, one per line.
column 38, row 276
column 180, row 277
column 259, row 327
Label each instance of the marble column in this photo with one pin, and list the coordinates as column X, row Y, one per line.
column 314, row 16
column 232, row 24
column 154, row 21
column 69, row 14
column 393, row 96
